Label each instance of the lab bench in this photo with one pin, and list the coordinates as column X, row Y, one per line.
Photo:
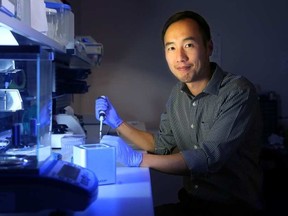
column 131, row 195
column 132, row 192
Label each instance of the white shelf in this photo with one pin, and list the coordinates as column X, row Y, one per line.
column 29, row 34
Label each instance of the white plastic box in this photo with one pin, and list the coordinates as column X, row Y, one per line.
column 60, row 20
column 8, row 7
column 23, row 11
column 100, row 158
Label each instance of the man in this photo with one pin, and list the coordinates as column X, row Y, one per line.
column 212, row 118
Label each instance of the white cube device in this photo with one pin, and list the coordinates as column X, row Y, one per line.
column 100, row 158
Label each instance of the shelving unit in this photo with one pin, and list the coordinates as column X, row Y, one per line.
column 64, row 58
column 26, row 35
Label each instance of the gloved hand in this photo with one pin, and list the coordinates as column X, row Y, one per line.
column 112, row 119
column 124, row 153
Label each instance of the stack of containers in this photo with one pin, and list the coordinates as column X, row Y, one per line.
column 52, row 23
column 8, row 7
column 23, row 11
column 60, row 20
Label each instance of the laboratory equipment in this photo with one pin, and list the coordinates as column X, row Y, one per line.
column 57, row 185
column 88, row 46
column 72, row 128
column 26, row 100
column 100, row 158
column 60, row 23
column 7, row 7
column 67, row 143
column 102, row 116
column 10, row 99
column 32, row 178
column 71, row 121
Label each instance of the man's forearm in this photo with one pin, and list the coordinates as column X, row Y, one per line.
column 171, row 164
column 142, row 139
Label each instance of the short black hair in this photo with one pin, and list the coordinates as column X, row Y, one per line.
column 203, row 25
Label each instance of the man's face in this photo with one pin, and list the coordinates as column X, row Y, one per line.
column 186, row 54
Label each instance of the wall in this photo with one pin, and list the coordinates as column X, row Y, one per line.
column 133, row 73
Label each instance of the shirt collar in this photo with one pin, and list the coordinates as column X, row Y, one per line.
column 216, row 80
column 213, row 84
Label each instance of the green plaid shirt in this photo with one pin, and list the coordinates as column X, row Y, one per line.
column 219, row 135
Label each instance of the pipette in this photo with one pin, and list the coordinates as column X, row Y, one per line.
column 102, row 116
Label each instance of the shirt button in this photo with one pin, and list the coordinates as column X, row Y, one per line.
column 196, row 186
column 195, row 147
column 194, row 104
column 192, row 126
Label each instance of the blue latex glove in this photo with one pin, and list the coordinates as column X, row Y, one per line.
column 124, row 153
column 112, row 119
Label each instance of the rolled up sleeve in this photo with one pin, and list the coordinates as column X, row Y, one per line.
column 195, row 160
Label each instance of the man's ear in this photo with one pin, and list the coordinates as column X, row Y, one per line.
column 210, row 47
